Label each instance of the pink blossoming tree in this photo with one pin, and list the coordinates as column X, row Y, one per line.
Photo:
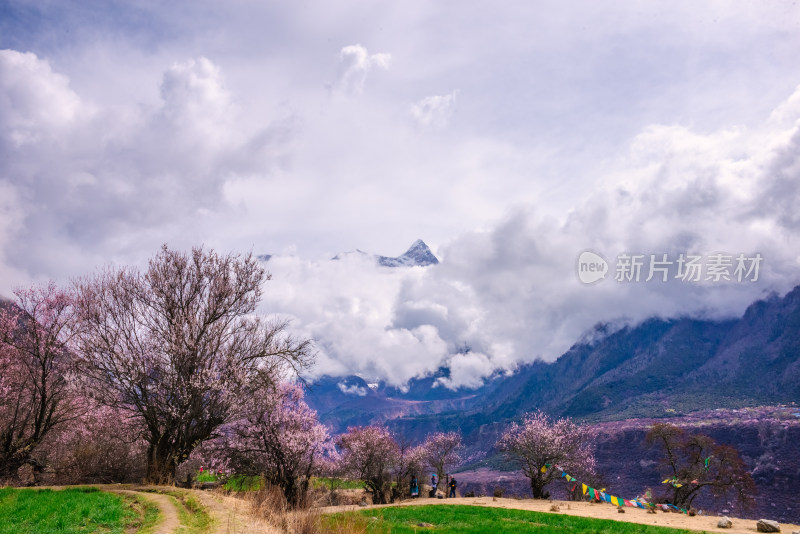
column 178, row 345
column 410, row 463
column 371, row 454
column 539, row 444
column 442, row 451
column 35, row 363
column 280, row 438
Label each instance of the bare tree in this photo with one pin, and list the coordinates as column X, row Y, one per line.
column 175, row 344
column 695, row 464
column 35, row 391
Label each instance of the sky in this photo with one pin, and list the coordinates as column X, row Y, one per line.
column 510, row 137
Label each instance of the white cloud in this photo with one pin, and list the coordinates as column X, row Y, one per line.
column 511, row 293
column 468, row 370
column 196, row 102
column 91, row 184
column 346, row 306
column 37, row 104
column 355, row 63
column 615, row 130
column 434, row 111
column 355, row 389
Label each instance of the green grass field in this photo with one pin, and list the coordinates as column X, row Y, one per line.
column 85, row 510
column 205, row 476
column 254, row 483
column 478, row 520
column 244, row 483
column 336, row 483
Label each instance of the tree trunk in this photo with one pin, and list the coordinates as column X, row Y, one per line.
column 11, row 461
column 161, row 466
column 291, row 491
column 537, row 489
column 379, row 492
column 8, row 468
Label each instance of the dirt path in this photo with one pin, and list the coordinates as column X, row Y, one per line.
column 231, row 515
column 169, row 521
column 705, row 523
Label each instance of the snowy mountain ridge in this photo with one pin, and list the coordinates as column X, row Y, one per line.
column 417, row 255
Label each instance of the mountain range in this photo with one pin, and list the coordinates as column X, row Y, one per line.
column 721, row 378
column 658, row 368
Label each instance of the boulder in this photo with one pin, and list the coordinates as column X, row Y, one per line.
column 765, row 525
column 725, row 522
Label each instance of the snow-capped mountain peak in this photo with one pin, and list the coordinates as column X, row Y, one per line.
column 418, row 254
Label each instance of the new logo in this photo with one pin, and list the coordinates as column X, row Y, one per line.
column 591, row 267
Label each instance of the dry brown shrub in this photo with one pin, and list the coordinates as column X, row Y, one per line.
column 269, row 505
column 337, row 497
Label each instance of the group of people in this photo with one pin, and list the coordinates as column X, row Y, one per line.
column 451, row 484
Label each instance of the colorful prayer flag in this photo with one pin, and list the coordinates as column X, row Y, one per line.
column 584, row 487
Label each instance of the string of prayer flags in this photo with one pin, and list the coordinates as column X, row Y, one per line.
column 601, row 495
